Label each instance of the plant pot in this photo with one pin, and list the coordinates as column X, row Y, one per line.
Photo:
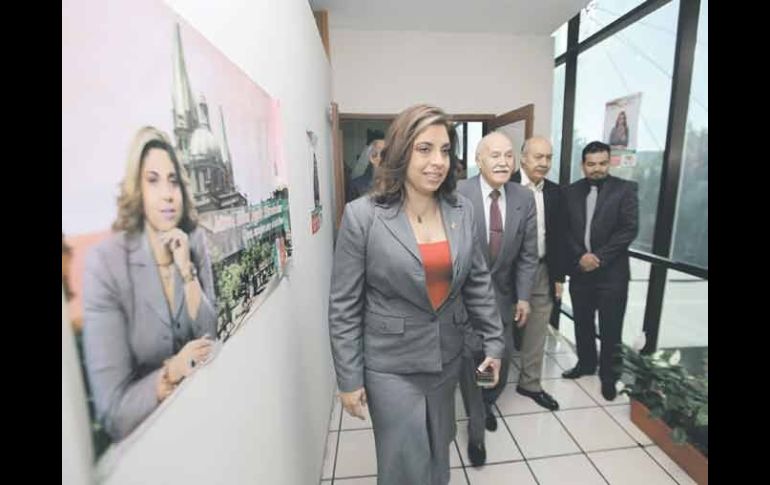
column 686, row 456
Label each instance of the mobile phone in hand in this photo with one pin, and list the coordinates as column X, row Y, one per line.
column 485, row 378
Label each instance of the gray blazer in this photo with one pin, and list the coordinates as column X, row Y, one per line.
column 380, row 314
column 513, row 273
column 128, row 330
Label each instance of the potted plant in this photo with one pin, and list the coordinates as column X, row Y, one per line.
column 671, row 406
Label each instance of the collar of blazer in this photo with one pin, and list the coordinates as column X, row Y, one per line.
column 396, row 221
column 609, row 186
column 145, row 278
column 547, row 184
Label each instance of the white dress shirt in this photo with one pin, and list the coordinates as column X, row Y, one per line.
column 540, row 205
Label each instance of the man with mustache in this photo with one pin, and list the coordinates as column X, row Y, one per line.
column 536, row 159
column 601, row 219
column 506, row 221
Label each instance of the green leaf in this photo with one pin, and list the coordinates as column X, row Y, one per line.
column 702, row 419
column 679, row 436
column 667, row 389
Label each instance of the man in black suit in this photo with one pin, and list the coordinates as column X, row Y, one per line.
column 596, row 259
column 536, row 158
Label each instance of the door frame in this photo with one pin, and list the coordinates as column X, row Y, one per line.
column 526, row 114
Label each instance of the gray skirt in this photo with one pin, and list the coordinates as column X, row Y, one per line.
column 413, row 416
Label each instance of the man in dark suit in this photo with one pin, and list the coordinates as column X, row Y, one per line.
column 601, row 219
column 506, row 221
column 536, row 157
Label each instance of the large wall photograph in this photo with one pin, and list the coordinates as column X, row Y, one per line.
column 175, row 209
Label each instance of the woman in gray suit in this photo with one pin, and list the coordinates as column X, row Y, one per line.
column 148, row 292
column 408, row 276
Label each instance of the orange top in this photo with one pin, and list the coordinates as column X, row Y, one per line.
column 437, row 261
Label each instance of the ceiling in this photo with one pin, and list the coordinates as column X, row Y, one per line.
column 520, row 17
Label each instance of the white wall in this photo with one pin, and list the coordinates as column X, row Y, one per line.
column 259, row 412
column 386, row 71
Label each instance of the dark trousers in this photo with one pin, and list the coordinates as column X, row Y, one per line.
column 610, row 302
column 473, row 399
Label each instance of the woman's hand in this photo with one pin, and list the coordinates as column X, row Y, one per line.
column 192, row 355
column 354, row 401
column 177, row 242
column 495, row 364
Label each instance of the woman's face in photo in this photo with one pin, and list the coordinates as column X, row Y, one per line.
column 429, row 161
column 161, row 191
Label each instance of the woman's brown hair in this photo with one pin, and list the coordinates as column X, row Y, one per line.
column 130, row 209
column 390, row 176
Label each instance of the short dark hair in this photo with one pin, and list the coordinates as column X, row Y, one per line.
column 595, row 147
column 372, row 135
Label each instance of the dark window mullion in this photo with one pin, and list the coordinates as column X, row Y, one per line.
column 684, row 56
column 568, row 115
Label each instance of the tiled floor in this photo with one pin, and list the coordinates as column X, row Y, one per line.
column 588, row 441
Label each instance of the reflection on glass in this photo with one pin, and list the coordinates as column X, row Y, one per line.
column 637, row 59
column 600, row 13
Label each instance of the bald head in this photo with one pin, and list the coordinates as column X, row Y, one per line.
column 536, row 158
column 494, row 156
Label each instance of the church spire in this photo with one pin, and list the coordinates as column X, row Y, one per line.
column 185, row 112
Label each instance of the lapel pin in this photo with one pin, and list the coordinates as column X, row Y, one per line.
column 453, row 225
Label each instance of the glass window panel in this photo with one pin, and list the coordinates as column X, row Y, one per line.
column 691, row 228
column 556, row 121
column 560, row 40
column 638, row 59
column 600, row 13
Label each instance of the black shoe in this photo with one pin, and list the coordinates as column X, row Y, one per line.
column 609, row 391
column 542, row 398
column 491, row 422
column 576, row 372
column 477, row 454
